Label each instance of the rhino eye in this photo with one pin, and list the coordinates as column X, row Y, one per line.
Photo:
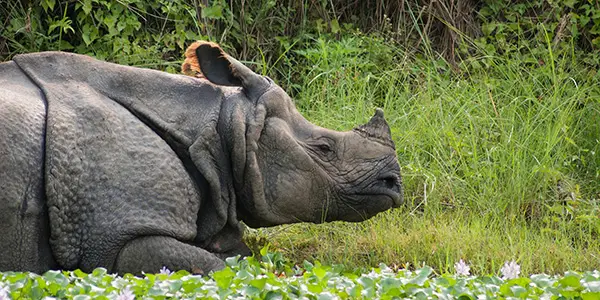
column 324, row 148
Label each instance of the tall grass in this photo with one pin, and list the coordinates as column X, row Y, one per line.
column 498, row 164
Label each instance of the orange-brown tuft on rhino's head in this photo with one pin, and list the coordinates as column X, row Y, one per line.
column 191, row 66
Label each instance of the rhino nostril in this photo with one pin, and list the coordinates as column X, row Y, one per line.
column 390, row 182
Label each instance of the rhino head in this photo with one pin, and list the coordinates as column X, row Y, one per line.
column 286, row 169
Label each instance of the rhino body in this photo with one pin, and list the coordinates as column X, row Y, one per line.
column 103, row 165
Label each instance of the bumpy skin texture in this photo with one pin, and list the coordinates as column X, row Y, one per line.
column 111, row 166
column 24, row 231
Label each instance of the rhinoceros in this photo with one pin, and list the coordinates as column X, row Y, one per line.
column 133, row 170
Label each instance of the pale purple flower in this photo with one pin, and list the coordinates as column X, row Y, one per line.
column 4, row 294
column 510, row 270
column 462, row 269
column 165, row 271
column 126, row 294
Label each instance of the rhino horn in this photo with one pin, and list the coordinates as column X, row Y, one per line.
column 220, row 68
column 377, row 128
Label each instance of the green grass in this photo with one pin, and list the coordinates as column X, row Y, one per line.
column 499, row 162
column 437, row 240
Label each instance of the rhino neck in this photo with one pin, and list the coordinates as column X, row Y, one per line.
column 244, row 123
column 195, row 119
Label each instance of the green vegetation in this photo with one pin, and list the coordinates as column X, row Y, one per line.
column 273, row 278
column 496, row 114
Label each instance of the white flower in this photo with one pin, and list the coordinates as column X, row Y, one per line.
column 165, row 271
column 510, row 270
column 462, row 268
column 126, row 294
column 4, row 294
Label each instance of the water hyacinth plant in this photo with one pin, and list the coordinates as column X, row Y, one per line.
column 273, row 277
column 3, row 293
column 165, row 271
column 126, row 294
column 462, row 269
column 510, row 270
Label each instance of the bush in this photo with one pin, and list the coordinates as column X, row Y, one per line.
column 150, row 32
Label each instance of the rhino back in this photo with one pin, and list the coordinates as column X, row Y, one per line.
column 24, row 229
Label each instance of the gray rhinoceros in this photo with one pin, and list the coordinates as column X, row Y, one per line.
column 103, row 165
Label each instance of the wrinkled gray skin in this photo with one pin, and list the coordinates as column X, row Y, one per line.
column 130, row 169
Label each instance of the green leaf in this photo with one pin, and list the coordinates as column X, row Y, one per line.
column 335, row 26
column 422, row 275
column 366, row 282
column 518, row 291
column 87, row 7
column 326, row 296
column 223, row 277
column 121, row 24
column 264, row 250
column 356, row 292
column 488, row 28
column 259, row 283
column 592, row 286
column 175, row 285
column 273, row 295
column 596, row 42
column 570, row 280
column 570, row 3
column 314, row 288
column 213, row 12
column 391, row 287
column 541, row 280
column 48, row 4
column 79, row 274
column 569, row 294
column 109, row 21
column 320, row 272
column 64, row 45
column 89, row 34
column 232, row 261
column 99, row 272
column 590, row 296
column 307, row 266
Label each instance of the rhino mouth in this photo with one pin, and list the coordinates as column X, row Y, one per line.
column 390, row 185
column 394, row 198
column 386, row 186
column 385, row 193
column 372, row 202
column 389, row 198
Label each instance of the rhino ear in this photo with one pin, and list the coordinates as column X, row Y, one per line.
column 220, row 68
